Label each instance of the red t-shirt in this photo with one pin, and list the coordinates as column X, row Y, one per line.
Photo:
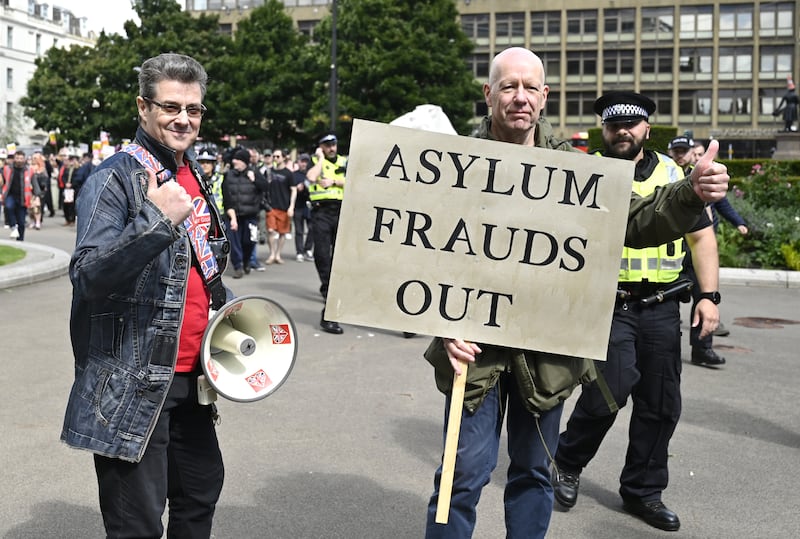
column 195, row 314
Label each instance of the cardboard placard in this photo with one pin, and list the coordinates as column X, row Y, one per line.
column 481, row 240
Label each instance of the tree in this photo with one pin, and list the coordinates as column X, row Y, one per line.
column 392, row 56
column 266, row 83
column 83, row 90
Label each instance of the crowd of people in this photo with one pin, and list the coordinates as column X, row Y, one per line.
column 27, row 188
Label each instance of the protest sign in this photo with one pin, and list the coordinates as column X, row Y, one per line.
column 480, row 240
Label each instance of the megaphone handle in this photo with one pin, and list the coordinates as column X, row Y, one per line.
column 451, row 444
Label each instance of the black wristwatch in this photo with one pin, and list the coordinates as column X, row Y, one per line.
column 714, row 297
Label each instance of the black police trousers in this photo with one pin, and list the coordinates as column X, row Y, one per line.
column 324, row 222
column 643, row 362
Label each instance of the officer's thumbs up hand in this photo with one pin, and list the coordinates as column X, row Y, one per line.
column 170, row 198
column 709, row 178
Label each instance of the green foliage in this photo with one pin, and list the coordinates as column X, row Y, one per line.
column 393, row 56
column 267, row 83
column 739, row 169
column 771, row 207
column 67, row 83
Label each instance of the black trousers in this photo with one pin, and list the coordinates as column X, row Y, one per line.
column 643, row 362
column 695, row 341
column 324, row 222
column 182, row 463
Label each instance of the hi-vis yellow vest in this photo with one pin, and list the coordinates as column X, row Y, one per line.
column 317, row 193
column 660, row 264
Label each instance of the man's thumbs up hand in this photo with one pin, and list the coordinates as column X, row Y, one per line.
column 709, row 178
column 170, row 198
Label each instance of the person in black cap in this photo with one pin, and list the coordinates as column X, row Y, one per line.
column 681, row 150
column 208, row 161
column 242, row 191
column 326, row 191
column 644, row 351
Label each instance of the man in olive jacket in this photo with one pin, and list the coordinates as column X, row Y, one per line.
column 505, row 381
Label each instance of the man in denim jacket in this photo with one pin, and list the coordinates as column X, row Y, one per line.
column 145, row 269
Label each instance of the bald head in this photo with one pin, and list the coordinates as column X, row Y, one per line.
column 516, row 93
column 515, row 56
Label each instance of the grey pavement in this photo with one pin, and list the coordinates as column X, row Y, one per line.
column 347, row 447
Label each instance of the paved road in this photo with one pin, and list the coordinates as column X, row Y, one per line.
column 347, row 447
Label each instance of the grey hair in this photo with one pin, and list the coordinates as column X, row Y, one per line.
column 170, row 66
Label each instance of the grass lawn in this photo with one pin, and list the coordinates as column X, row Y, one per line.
column 10, row 254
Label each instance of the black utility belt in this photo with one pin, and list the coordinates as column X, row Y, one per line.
column 651, row 293
column 333, row 203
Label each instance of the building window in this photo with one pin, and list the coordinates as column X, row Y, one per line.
column 552, row 110
column 10, row 37
column 582, row 26
column 509, row 28
column 657, row 65
column 307, row 28
column 658, row 24
column 580, row 107
column 697, row 22
column 776, row 19
column 695, row 64
column 735, row 63
column 768, row 100
column 476, row 27
column 546, row 27
column 663, row 101
column 775, row 62
column 552, row 66
column 694, row 106
column 38, row 44
column 581, row 66
column 734, row 105
column 479, row 65
column 9, row 78
column 618, row 65
column 736, row 20
column 620, row 25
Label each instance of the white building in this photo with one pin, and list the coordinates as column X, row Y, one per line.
column 27, row 30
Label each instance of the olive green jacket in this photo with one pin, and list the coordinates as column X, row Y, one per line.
column 546, row 379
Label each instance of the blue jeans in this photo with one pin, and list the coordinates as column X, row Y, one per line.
column 528, row 495
column 16, row 213
column 182, row 463
column 241, row 244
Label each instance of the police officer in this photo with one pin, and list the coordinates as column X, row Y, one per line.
column 325, row 192
column 208, row 160
column 644, row 356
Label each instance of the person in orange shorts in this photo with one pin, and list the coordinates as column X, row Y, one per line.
column 282, row 195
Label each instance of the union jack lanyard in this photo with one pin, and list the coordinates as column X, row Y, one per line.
column 198, row 222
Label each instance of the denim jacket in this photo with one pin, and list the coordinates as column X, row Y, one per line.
column 129, row 273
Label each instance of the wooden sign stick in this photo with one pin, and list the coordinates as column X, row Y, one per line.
column 451, row 445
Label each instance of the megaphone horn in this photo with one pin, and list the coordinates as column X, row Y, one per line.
column 235, row 342
column 248, row 350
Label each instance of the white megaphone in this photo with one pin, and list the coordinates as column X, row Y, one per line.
column 248, row 350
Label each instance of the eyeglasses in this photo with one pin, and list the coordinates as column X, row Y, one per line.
column 173, row 109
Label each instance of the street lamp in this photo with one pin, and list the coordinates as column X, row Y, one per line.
column 334, row 78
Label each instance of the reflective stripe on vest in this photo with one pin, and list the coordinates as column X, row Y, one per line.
column 660, row 264
column 317, row 193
